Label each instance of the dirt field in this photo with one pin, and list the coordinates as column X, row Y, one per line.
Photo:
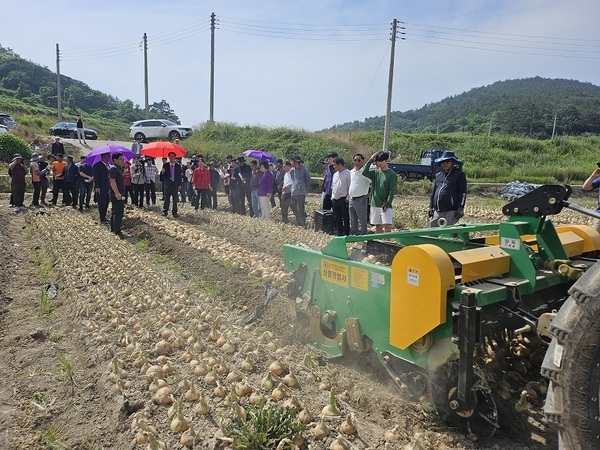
column 173, row 296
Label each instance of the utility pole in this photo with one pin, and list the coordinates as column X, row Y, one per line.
column 388, row 111
column 58, row 88
column 146, row 74
column 211, row 118
column 554, row 126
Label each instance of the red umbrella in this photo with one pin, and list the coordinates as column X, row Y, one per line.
column 161, row 149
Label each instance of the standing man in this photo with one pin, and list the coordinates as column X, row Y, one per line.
column 593, row 182
column 80, row 132
column 85, row 184
column 71, row 175
column 34, row 170
column 286, row 192
column 101, row 185
column 300, row 177
column 243, row 173
column 138, row 180
column 215, row 179
column 328, row 180
column 278, row 181
column 234, row 192
column 201, row 182
column 18, row 170
column 384, row 182
column 117, row 193
column 358, row 197
column 57, row 147
column 44, row 169
column 340, row 187
column 171, row 172
column 58, row 171
column 151, row 172
column 137, row 146
column 254, row 180
column 265, row 190
column 449, row 193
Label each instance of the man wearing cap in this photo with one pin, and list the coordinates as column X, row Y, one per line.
column 17, row 170
column 58, row 171
column 300, row 177
column 328, row 180
column 57, row 146
column 34, row 170
column 449, row 193
column 171, row 172
column 384, row 182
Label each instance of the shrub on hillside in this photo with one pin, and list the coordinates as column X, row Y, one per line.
column 11, row 144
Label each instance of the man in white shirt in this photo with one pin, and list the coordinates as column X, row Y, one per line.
column 358, row 196
column 286, row 192
column 340, row 186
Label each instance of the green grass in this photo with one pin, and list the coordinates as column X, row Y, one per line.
column 52, row 438
column 142, row 245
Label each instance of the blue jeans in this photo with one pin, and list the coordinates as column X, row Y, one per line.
column 255, row 203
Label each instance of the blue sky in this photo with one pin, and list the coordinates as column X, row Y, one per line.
column 305, row 64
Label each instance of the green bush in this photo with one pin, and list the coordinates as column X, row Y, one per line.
column 11, row 144
column 265, row 427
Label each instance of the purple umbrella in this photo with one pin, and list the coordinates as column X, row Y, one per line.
column 260, row 155
column 94, row 156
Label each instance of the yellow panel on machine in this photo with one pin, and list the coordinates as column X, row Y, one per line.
column 482, row 262
column 422, row 275
column 575, row 239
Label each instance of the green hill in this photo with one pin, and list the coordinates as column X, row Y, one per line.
column 524, row 107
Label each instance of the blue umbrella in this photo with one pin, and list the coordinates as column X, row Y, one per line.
column 95, row 155
column 260, row 155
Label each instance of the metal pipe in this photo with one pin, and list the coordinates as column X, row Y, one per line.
column 581, row 209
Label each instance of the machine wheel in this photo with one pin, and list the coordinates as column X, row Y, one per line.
column 73, row 135
column 482, row 421
column 572, row 363
column 140, row 136
column 174, row 135
column 403, row 176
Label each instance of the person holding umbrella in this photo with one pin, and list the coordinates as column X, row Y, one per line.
column 171, row 172
column 117, row 193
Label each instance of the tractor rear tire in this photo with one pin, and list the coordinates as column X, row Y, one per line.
column 572, row 364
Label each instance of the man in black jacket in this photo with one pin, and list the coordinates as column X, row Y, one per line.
column 171, row 172
column 243, row 174
column 101, row 185
column 449, row 193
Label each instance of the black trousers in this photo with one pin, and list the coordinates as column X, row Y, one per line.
column 116, row 217
column 341, row 217
column 171, row 191
column 150, row 193
column 102, row 205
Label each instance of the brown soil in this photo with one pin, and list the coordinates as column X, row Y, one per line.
column 116, row 298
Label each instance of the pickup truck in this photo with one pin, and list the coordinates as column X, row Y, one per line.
column 427, row 169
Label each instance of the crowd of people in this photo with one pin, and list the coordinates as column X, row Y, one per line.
column 355, row 197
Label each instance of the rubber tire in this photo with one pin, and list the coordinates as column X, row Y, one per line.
column 174, row 135
column 403, row 176
column 572, row 364
column 140, row 136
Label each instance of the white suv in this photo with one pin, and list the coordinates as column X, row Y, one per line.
column 158, row 129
